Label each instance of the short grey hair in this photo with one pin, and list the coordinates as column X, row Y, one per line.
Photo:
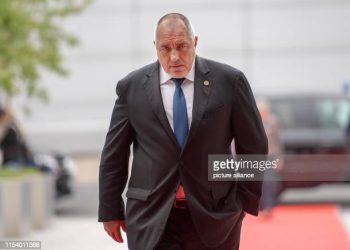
column 180, row 16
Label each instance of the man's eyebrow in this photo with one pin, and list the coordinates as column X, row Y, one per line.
column 181, row 42
column 176, row 43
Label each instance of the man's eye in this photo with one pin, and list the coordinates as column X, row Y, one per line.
column 164, row 49
column 183, row 46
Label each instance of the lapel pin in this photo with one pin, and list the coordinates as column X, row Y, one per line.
column 206, row 83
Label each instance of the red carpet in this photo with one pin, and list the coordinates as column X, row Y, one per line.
column 296, row 228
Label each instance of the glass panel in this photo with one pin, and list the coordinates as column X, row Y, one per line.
column 312, row 113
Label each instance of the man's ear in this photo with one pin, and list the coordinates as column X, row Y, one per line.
column 195, row 41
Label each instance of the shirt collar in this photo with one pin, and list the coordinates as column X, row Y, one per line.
column 165, row 77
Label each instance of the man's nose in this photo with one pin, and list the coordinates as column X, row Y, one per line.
column 174, row 55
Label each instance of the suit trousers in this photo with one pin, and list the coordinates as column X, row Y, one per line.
column 180, row 234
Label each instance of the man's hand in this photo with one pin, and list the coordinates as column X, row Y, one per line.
column 113, row 229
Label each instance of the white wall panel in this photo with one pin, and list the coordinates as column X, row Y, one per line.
column 282, row 46
column 324, row 27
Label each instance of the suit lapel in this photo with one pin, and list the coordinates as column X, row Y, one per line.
column 200, row 98
column 152, row 88
column 202, row 85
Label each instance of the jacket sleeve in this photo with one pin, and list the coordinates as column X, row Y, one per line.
column 113, row 172
column 250, row 139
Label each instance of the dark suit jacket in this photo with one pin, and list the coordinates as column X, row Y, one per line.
column 221, row 111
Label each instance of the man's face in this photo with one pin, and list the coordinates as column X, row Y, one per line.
column 175, row 48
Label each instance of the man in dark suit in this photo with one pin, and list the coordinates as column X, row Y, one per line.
column 176, row 112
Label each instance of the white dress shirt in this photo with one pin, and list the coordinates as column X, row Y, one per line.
column 167, row 89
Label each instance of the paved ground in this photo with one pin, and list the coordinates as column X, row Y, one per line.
column 74, row 233
column 75, row 225
column 84, row 233
column 345, row 216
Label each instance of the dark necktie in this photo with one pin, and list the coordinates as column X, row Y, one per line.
column 180, row 119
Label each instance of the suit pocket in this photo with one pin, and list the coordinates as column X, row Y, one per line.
column 214, row 111
column 225, row 198
column 220, row 190
column 138, row 194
